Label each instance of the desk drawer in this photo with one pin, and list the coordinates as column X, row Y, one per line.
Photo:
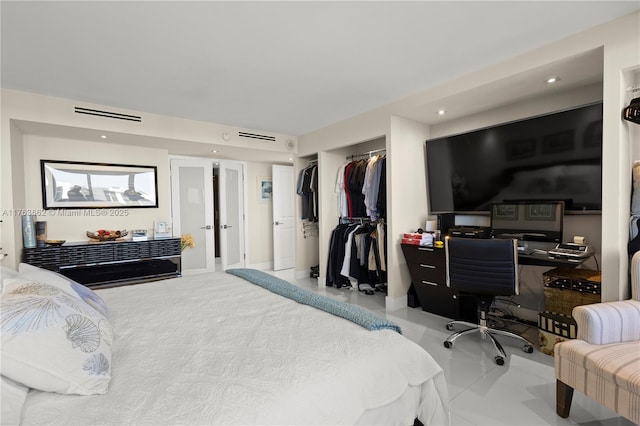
column 427, row 274
column 417, row 254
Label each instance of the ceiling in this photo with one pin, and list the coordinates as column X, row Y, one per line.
column 286, row 67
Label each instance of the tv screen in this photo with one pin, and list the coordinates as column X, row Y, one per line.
column 552, row 157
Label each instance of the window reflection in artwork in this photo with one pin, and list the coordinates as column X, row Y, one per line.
column 91, row 185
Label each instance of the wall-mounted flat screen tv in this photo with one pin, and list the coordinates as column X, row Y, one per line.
column 551, row 157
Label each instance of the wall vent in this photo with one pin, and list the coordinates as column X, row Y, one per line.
column 257, row 136
column 108, row 114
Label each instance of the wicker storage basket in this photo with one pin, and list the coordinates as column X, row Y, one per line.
column 567, row 288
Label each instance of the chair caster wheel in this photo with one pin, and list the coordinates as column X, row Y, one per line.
column 499, row 360
column 447, row 344
column 449, row 327
column 528, row 349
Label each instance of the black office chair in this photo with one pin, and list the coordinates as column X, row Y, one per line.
column 483, row 268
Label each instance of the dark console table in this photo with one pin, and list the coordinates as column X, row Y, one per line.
column 110, row 263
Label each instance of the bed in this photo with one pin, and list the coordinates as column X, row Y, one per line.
column 212, row 349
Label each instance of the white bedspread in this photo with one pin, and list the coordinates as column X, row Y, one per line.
column 216, row 349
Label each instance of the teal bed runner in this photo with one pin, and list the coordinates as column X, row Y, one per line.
column 353, row 313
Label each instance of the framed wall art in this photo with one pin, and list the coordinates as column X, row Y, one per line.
column 265, row 188
column 80, row 185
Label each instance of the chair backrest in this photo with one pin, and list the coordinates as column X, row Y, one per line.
column 483, row 266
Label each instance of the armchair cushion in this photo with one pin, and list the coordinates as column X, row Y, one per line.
column 609, row 322
column 616, row 364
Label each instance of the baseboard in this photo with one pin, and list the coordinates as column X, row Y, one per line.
column 395, row 303
column 265, row 266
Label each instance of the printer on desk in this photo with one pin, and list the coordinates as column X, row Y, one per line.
column 470, row 231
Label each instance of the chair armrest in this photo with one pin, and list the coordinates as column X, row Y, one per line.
column 608, row 322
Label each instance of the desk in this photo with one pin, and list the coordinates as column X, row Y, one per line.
column 427, row 267
column 543, row 259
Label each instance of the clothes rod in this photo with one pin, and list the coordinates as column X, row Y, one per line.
column 366, row 154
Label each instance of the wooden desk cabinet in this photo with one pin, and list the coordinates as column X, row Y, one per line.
column 428, row 274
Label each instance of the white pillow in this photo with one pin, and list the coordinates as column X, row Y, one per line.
column 33, row 273
column 6, row 272
column 13, row 396
column 52, row 340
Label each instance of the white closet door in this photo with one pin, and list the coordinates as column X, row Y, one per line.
column 284, row 232
column 192, row 205
column 232, row 235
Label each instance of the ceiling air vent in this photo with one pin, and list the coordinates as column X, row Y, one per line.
column 108, row 114
column 257, row 136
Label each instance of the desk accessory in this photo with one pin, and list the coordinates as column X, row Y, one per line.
column 571, row 250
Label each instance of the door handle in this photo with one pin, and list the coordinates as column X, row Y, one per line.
column 225, row 226
column 277, row 223
column 206, row 227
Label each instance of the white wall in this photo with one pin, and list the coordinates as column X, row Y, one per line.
column 406, row 199
column 73, row 228
column 260, row 219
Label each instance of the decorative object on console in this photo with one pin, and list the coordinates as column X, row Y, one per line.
column 28, row 231
column 41, row 233
column 54, row 242
column 107, row 235
column 138, row 235
column 161, row 229
column 186, row 241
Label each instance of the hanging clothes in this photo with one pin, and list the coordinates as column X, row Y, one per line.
column 307, row 189
column 357, row 255
column 361, row 188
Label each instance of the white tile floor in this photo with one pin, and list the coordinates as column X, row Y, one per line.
column 521, row 392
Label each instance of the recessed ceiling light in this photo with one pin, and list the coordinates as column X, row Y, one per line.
column 442, row 111
column 214, row 150
column 290, row 159
column 552, row 80
column 103, row 136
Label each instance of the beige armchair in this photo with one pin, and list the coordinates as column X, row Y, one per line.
column 603, row 362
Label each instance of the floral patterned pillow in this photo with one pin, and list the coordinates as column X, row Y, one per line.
column 33, row 273
column 52, row 340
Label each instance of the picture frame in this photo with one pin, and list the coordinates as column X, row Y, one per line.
column 540, row 212
column 506, row 212
column 86, row 185
column 265, row 189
